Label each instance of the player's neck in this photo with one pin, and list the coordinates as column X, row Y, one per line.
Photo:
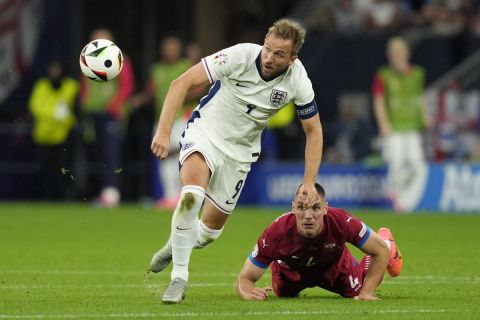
column 403, row 69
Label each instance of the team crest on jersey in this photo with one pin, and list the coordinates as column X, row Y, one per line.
column 220, row 58
column 277, row 98
column 330, row 246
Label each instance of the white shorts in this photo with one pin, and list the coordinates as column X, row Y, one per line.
column 228, row 175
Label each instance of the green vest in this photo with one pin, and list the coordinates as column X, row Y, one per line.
column 162, row 75
column 403, row 94
column 52, row 110
column 99, row 95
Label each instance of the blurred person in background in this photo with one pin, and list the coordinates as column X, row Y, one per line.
column 281, row 140
column 353, row 17
column 353, row 132
column 52, row 105
column 443, row 17
column 385, row 16
column 103, row 112
column 348, row 17
column 401, row 114
column 171, row 65
column 306, row 248
column 223, row 137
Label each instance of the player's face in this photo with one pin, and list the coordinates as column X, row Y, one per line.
column 398, row 56
column 276, row 56
column 171, row 49
column 101, row 34
column 309, row 219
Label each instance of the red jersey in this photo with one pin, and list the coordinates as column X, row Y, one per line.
column 321, row 260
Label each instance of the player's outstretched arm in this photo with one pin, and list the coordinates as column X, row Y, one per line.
column 179, row 87
column 377, row 248
column 313, row 156
column 246, row 280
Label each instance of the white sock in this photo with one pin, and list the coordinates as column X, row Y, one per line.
column 206, row 235
column 184, row 229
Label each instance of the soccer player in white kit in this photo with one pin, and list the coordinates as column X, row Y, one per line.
column 222, row 139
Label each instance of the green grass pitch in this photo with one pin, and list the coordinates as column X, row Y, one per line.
column 73, row 261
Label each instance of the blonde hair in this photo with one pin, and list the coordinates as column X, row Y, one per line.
column 288, row 29
column 395, row 42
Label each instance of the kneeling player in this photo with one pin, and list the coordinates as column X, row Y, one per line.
column 306, row 248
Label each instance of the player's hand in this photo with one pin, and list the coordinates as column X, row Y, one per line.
column 310, row 193
column 160, row 145
column 259, row 293
column 363, row 296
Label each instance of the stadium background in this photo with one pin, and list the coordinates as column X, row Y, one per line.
column 341, row 67
column 75, row 261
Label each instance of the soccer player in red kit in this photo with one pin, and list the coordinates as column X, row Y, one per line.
column 306, row 248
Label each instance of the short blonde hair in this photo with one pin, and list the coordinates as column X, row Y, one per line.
column 288, row 29
column 395, row 42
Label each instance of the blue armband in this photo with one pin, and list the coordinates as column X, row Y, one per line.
column 255, row 262
column 307, row 111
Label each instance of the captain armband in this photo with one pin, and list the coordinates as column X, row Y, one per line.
column 307, row 111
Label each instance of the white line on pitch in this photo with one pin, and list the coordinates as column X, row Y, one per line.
column 197, row 284
column 220, row 314
column 212, row 274
column 112, row 286
column 109, row 273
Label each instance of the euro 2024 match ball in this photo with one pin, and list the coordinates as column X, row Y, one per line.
column 101, row 60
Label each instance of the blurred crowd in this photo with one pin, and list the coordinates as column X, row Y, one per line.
column 80, row 126
column 353, row 17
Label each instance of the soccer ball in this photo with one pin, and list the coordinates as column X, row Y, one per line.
column 101, row 60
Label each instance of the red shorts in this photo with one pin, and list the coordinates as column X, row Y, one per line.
column 344, row 278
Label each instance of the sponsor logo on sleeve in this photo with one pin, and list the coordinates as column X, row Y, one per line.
column 264, row 243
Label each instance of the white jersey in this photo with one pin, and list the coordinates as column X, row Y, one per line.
column 240, row 103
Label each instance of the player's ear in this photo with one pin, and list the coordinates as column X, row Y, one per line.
column 292, row 60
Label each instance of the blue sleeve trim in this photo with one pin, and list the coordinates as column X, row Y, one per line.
column 211, row 93
column 258, row 264
column 365, row 238
column 307, row 111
